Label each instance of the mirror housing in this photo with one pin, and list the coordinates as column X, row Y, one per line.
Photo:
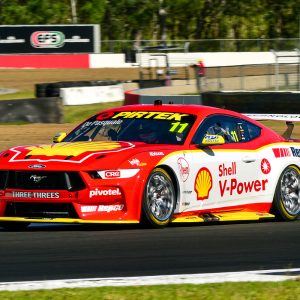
column 59, row 137
column 212, row 140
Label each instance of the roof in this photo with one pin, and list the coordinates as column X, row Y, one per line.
column 200, row 110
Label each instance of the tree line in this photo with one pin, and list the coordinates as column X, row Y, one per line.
column 163, row 19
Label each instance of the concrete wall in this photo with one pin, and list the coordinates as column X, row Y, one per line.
column 211, row 59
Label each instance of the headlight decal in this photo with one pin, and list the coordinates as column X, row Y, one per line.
column 114, row 174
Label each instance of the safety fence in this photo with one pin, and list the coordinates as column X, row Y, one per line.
column 130, row 47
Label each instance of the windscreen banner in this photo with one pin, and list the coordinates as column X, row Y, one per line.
column 36, row 39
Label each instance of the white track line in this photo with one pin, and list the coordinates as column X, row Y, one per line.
column 265, row 275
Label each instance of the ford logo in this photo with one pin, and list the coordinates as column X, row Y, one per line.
column 37, row 166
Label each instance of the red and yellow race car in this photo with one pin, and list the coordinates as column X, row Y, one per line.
column 155, row 164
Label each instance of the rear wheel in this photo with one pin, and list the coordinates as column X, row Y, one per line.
column 159, row 199
column 286, row 204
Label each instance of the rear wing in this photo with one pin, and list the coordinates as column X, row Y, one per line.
column 275, row 117
column 288, row 118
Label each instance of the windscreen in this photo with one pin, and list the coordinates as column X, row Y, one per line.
column 137, row 126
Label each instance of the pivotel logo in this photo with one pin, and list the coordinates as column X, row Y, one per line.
column 295, row 151
column 105, row 192
column 47, row 39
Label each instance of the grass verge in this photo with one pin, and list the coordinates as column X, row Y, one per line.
column 235, row 291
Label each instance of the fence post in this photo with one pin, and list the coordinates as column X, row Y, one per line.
column 242, row 77
column 276, row 70
column 298, row 53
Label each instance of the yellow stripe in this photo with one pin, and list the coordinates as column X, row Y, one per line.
column 222, row 217
column 65, row 220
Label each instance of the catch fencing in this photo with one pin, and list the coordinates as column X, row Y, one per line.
column 281, row 73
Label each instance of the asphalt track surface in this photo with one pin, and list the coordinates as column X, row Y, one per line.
column 67, row 252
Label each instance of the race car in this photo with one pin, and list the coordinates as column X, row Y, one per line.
column 154, row 164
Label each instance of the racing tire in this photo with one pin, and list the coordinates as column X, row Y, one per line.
column 14, row 226
column 159, row 199
column 286, row 203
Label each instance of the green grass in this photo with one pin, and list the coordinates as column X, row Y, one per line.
column 18, row 95
column 287, row 290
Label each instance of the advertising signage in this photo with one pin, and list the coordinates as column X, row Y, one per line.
column 49, row 39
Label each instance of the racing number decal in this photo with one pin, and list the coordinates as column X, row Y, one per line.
column 178, row 127
column 234, row 135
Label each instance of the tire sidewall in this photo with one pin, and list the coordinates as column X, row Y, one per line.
column 147, row 216
column 278, row 207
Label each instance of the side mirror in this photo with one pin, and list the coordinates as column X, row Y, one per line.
column 59, row 137
column 212, row 140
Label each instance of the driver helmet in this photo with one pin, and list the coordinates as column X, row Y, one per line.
column 148, row 135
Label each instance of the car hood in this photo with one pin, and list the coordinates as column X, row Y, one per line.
column 73, row 155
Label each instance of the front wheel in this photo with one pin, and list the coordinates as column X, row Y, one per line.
column 159, row 199
column 286, row 204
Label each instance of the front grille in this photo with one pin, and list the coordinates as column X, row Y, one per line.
column 3, row 179
column 43, row 180
column 40, row 210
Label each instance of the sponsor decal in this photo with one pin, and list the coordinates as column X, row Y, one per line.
column 105, row 115
column 281, row 152
column 213, row 138
column 184, row 168
column 286, row 152
column 134, row 162
column 105, row 192
column 12, row 40
column 156, row 153
column 42, row 195
column 265, row 166
column 88, row 208
column 234, row 187
column 37, row 166
column 112, row 174
column 47, row 39
column 203, row 184
column 101, row 123
column 102, row 208
column 227, row 170
column 109, row 208
column 73, row 149
column 53, row 39
column 149, row 115
column 187, row 192
column 295, row 151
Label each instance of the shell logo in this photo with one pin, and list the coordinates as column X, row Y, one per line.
column 74, row 149
column 203, row 184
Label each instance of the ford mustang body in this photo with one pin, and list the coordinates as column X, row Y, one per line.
column 156, row 164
